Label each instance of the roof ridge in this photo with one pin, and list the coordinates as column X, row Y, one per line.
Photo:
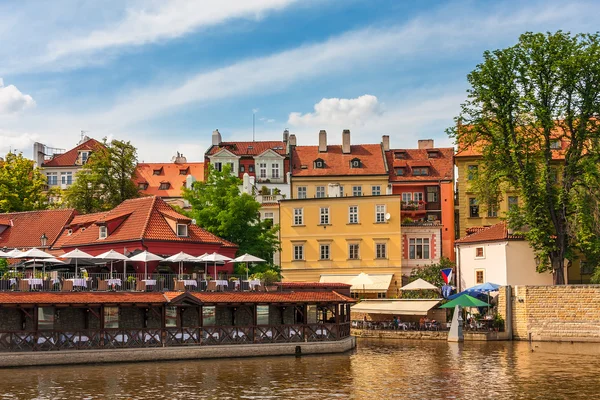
column 32, row 211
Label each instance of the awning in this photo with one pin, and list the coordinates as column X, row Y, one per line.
column 381, row 282
column 399, row 307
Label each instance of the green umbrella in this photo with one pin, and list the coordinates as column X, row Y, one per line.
column 465, row 301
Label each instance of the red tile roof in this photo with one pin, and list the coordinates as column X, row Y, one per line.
column 337, row 163
column 291, row 285
column 489, row 234
column 170, row 172
column 249, row 148
column 270, row 297
column 85, row 219
column 28, row 227
column 440, row 167
column 81, row 298
column 69, row 158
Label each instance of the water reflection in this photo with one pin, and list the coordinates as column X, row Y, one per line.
column 376, row 370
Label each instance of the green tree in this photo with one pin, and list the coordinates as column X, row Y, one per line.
column 524, row 102
column 106, row 180
column 431, row 273
column 21, row 185
column 220, row 208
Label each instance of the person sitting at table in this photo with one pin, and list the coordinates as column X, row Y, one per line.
column 395, row 322
column 422, row 323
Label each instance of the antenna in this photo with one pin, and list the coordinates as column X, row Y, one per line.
column 253, row 124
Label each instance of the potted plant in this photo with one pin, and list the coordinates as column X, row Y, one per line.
column 269, row 279
column 498, row 323
column 264, row 191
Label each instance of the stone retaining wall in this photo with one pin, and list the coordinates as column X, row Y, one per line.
column 385, row 334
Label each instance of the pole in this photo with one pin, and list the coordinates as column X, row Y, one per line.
column 253, row 114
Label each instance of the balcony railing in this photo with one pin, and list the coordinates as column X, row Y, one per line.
column 269, row 198
column 413, row 206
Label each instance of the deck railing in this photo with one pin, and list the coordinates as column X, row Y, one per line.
column 52, row 340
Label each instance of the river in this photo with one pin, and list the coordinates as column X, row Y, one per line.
column 377, row 369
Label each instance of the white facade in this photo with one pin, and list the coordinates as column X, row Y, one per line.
column 269, row 167
column 225, row 157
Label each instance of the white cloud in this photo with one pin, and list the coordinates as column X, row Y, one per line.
column 12, row 100
column 356, row 111
column 16, row 141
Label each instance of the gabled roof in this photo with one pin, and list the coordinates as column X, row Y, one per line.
column 440, row 167
column 270, row 297
column 492, row 233
column 27, row 227
column 68, row 159
column 337, row 163
column 249, row 148
column 170, row 172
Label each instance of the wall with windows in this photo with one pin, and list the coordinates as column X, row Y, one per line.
column 60, row 177
column 420, row 246
column 351, row 185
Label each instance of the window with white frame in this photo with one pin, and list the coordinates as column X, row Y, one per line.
column 492, row 210
column 353, row 251
column 275, row 170
column 84, row 156
column 341, row 191
column 406, row 197
column 182, row 230
column 103, row 232
column 324, row 250
column 320, row 192
column 353, row 215
column 268, row 215
column 376, row 190
column 66, row 178
column 301, row 192
column 52, row 178
column 262, row 170
column 298, row 216
column 380, row 250
column 479, row 276
column 356, row 190
column 418, row 196
column 418, row 249
column 298, row 252
column 380, row 213
column 324, row 216
column 231, row 167
column 218, row 166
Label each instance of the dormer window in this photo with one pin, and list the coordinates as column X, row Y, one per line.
column 355, row 163
column 420, row 171
column 555, row 144
column 433, row 153
column 103, row 232
column 69, row 232
column 184, row 171
column 400, row 155
column 143, row 185
column 319, row 163
column 157, row 171
column 399, row 171
column 164, row 186
column 182, row 230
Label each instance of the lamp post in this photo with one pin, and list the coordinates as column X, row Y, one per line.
column 43, row 239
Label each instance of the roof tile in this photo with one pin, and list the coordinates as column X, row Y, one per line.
column 69, row 158
column 338, row 163
column 249, row 148
column 440, row 167
column 170, row 172
column 492, row 233
column 28, row 227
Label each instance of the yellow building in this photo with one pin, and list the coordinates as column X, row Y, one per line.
column 335, row 239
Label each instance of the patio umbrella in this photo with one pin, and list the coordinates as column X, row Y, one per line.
column 201, row 259
column 419, row 284
column 112, row 256
column 47, row 261
column 180, row 258
column 77, row 255
column 215, row 258
column 484, row 288
column 247, row 258
column 465, row 301
column 146, row 256
column 34, row 253
column 361, row 279
column 3, row 254
column 14, row 253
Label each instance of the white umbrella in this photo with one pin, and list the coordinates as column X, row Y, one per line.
column 34, row 253
column 3, row 254
column 180, row 258
column 146, row 256
column 419, row 284
column 111, row 256
column 247, row 258
column 361, row 279
column 201, row 259
column 14, row 253
column 77, row 254
column 215, row 258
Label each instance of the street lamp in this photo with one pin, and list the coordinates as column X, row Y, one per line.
column 43, row 239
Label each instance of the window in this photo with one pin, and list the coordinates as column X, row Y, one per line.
column 164, row 186
column 320, row 192
column 418, row 196
column 380, row 213
column 45, row 318
column 355, row 163
column 555, row 144
column 399, row 155
column 479, row 252
column 472, row 172
column 406, row 197
column 356, row 190
column 66, row 178
column 52, row 178
column 209, row 316
column 381, row 295
column 218, row 167
column 324, row 220
column 275, row 170
column 158, row 171
column 262, row 315
column 231, row 167
column 143, row 185
column 268, row 215
column 319, row 163
column 513, row 202
column 298, row 252
column 242, row 168
column 301, row 192
column 298, row 216
column 341, row 191
column 421, row 171
column 353, row 214
column 103, row 232
column 376, row 190
column 311, row 313
column 353, row 251
column 479, row 276
column 262, row 170
column 84, row 156
column 182, row 230
column 171, row 317
column 418, row 249
column 432, row 194
column 324, row 251
column 433, row 154
column 473, row 208
column 553, row 174
column 399, row 171
column 183, row 171
column 111, row 317
column 250, row 168
column 380, row 250
column 492, row 211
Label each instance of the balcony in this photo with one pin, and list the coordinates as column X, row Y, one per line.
column 269, row 198
column 413, row 206
column 270, row 179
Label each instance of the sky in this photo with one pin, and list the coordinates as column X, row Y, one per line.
column 164, row 74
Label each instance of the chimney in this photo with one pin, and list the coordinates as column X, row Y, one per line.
column 179, row 159
column 322, row 141
column 385, row 140
column 346, row 141
column 216, row 137
column 426, row 144
column 286, row 137
column 292, row 140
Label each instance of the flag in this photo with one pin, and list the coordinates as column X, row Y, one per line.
column 446, row 290
column 447, row 275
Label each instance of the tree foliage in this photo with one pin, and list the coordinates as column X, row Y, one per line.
column 430, row 273
column 523, row 101
column 219, row 207
column 106, row 179
column 21, row 185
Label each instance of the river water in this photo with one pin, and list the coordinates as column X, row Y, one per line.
column 377, row 369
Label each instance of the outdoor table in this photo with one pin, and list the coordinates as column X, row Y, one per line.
column 12, row 281
column 149, row 282
column 121, row 338
column 189, row 282
column 80, row 339
column 113, row 282
column 253, row 283
column 222, row 282
column 35, row 281
column 81, row 282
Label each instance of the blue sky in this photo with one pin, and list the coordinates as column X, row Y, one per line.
column 164, row 74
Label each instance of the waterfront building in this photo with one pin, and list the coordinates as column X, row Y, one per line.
column 335, row 239
column 167, row 180
column 424, row 178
